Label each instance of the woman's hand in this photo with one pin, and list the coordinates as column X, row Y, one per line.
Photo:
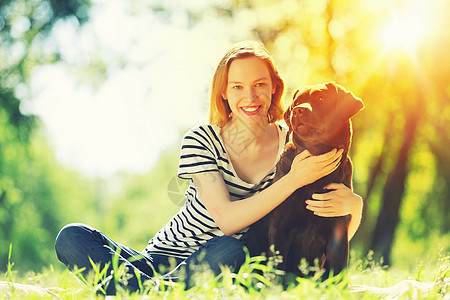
column 306, row 168
column 340, row 201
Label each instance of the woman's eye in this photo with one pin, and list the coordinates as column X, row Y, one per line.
column 237, row 87
column 259, row 84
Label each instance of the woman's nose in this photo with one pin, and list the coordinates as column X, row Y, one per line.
column 251, row 94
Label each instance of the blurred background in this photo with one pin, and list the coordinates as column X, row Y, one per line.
column 95, row 96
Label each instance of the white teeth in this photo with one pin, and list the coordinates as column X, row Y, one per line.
column 250, row 109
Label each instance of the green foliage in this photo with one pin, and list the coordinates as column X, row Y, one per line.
column 311, row 41
column 366, row 279
column 30, row 186
column 33, row 207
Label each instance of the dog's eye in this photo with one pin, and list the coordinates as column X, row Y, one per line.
column 320, row 98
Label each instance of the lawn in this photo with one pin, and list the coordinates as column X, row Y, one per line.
column 364, row 279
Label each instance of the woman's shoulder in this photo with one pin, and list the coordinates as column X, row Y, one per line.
column 283, row 130
column 203, row 129
column 203, row 126
column 207, row 134
column 282, row 126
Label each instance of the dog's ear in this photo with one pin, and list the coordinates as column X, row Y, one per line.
column 287, row 116
column 295, row 95
column 332, row 86
column 350, row 104
column 287, row 113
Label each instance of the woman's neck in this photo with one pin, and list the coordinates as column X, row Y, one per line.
column 240, row 135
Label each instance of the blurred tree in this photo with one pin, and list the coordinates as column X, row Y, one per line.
column 394, row 186
column 28, row 196
column 420, row 77
column 435, row 81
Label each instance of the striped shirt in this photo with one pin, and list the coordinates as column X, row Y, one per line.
column 203, row 150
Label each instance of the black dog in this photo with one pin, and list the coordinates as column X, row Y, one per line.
column 319, row 119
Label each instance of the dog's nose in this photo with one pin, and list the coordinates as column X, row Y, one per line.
column 303, row 107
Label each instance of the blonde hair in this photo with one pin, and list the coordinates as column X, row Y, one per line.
column 219, row 110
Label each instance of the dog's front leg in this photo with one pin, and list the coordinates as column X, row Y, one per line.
column 280, row 240
column 337, row 247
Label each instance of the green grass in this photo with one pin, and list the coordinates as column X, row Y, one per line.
column 429, row 281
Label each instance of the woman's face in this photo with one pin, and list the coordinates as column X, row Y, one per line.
column 249, row 89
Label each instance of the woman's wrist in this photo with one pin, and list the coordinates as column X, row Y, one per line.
column 292, row 182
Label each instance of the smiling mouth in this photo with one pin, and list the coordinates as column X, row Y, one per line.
column 251, row 110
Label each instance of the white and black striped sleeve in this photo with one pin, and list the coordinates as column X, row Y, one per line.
column 197, row 154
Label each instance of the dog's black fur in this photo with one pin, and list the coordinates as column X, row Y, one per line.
column 319, row 119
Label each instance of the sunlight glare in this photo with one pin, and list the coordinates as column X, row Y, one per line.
column 405, row 31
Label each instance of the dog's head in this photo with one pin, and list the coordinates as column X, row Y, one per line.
column 321, row 114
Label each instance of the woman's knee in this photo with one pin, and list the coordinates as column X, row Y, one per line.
column 227, row 251
column 68, row 238
column 237, row 247
column 230, row 244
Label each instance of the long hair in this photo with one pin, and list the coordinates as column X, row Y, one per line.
column 219, row 112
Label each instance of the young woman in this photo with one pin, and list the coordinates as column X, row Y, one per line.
column 230, row 164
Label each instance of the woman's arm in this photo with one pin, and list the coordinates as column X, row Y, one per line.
column 340, row 201
column 232, row 216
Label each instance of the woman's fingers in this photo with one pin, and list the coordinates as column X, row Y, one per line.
column 336, row 186
column 328, row 208
column 309, row 168
column 304, row 154
column 330, row 155
column 339, row 201
column 333, row 162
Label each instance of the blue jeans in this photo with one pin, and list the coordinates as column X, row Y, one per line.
column 77, row 243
